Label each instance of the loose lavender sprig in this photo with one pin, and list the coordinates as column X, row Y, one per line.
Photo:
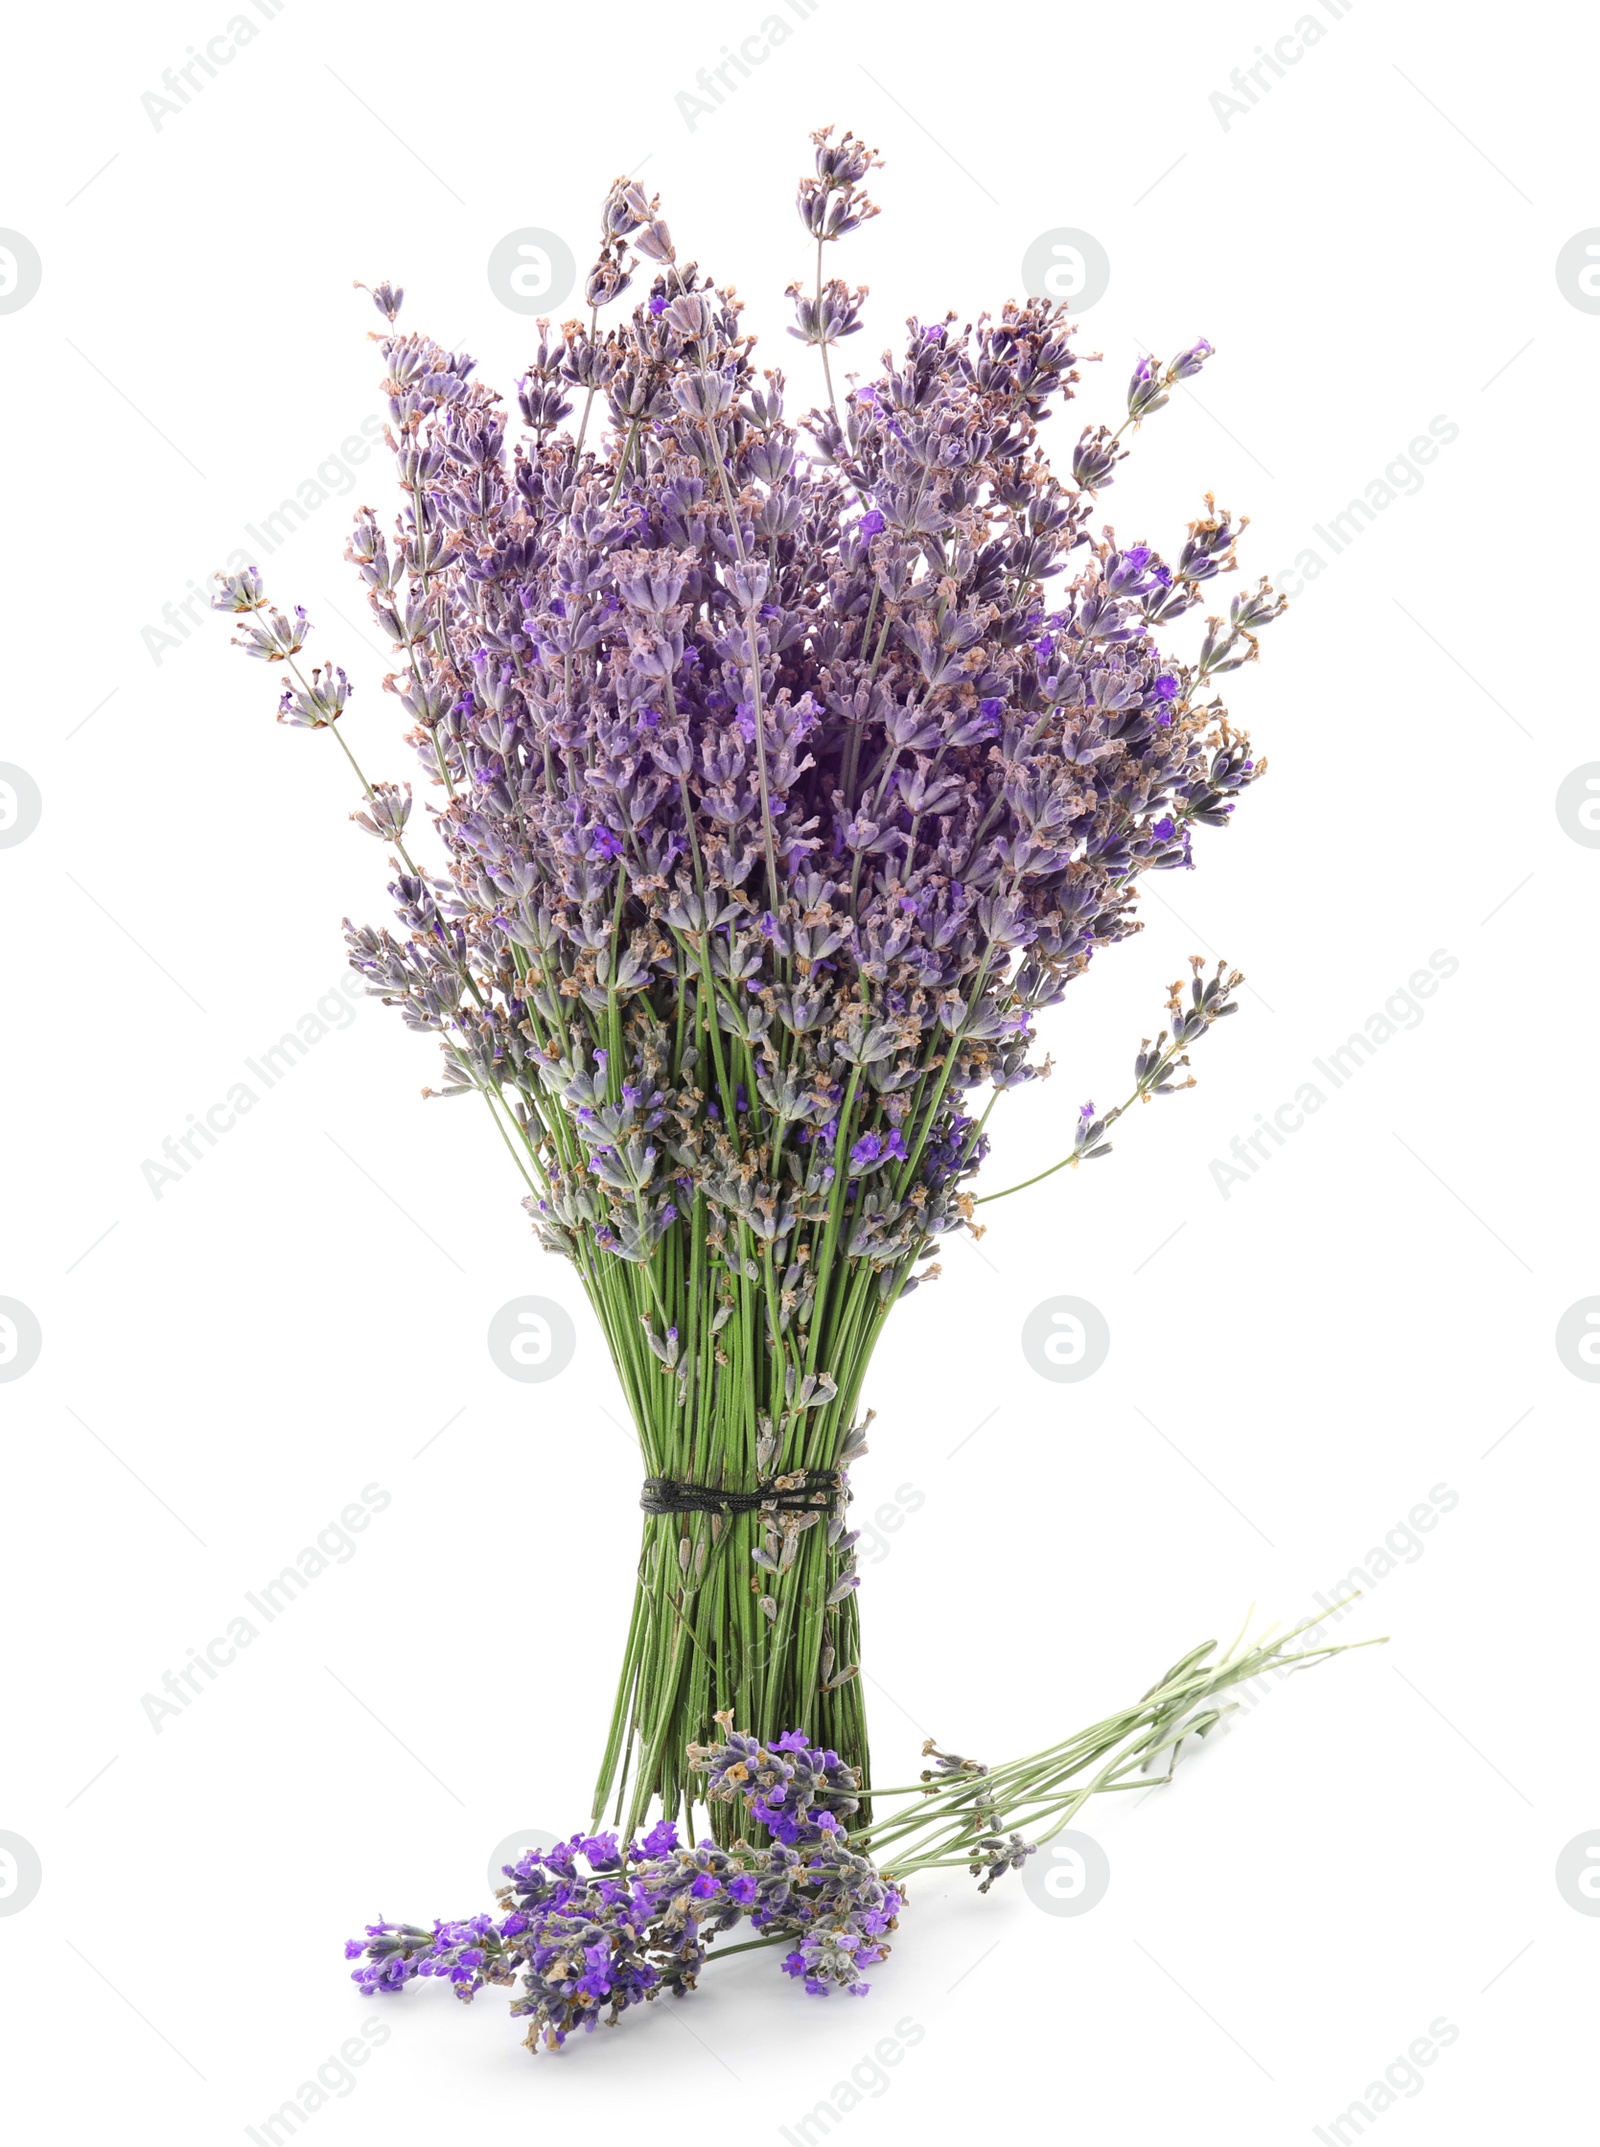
column 587, row 1944
column 961, row 1807
column 1155, row 1068
column 639, row 1919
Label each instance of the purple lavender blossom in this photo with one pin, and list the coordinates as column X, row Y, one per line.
column 593, row 1928
column 650, row 675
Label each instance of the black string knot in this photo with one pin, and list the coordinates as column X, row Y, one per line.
column 800, row 1491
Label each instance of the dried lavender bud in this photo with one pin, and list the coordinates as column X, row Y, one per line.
column 832, row 203
column 387, row 297
column 317, row 702
column 824, row 318
column 275, row 640
column 388, row 810
column 239, row 592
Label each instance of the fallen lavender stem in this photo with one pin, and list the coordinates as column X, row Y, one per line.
column 1023, row 1794
column 645, row 1918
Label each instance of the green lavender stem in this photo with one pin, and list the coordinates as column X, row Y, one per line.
column 1041, row 1794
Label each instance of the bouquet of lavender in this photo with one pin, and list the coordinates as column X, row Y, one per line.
column 785, row 773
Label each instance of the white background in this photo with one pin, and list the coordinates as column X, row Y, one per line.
column 1293, row 1367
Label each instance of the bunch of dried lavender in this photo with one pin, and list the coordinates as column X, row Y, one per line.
column 779, row 793
column 587, row 1944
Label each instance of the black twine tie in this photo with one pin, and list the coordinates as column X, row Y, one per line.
column 802, row 1491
